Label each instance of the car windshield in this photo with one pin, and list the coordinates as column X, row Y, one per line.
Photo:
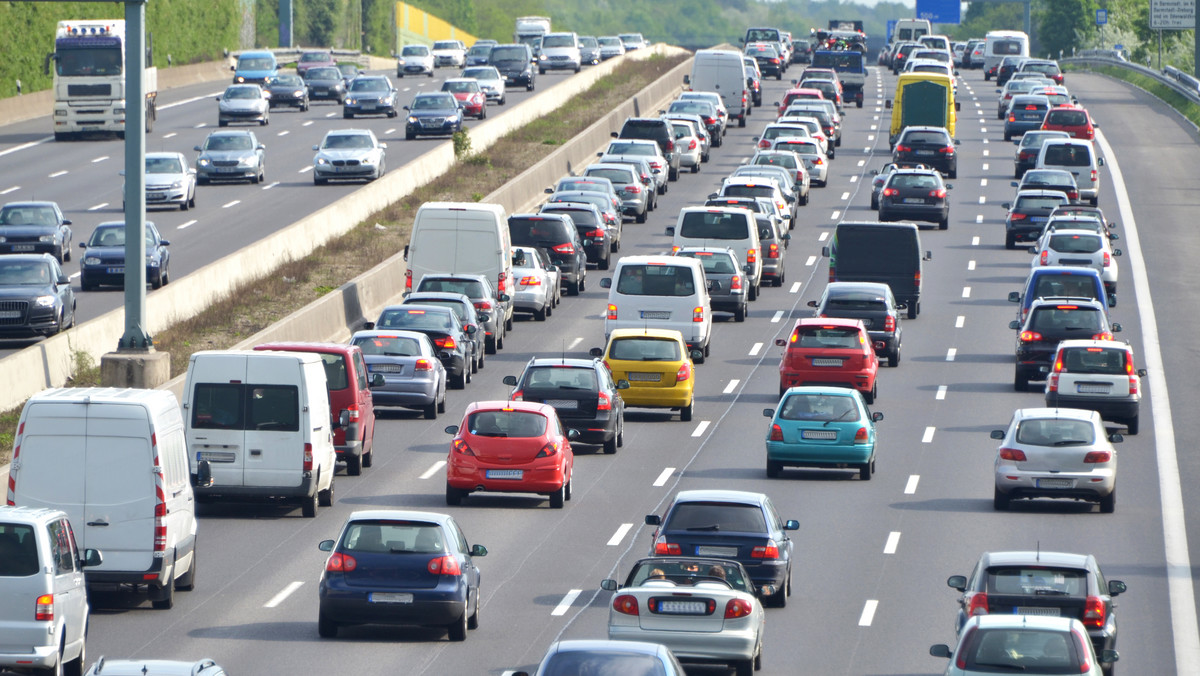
column 414, row 50
column 688, row 572
column 368, row 84
column 1004, row 650
column 468, row 287
column 433, row 102
column 819, row 408
column 606, row 663
column 561, row 377
column 115, row 236
column 243, row 93
column 287, row 81
column 393, row 537
column 164, row 165
column 255, row 63
column 508, row 424
column 1055, row 432
column 558, row 41
column 1067, row 243
column 487, row 73
column 27, row 215
column 713, row 263
column 460, row 86
column 24, row 273
column 388, row 346
column 343, row 141
column 716, row 517
column 644, row 348
column 507, row 54
column 446, row 44
column 416, row 319
column 323, row 74
column 228, row 142
column 309, row 57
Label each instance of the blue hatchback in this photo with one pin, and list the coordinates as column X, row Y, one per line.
column 821, row 427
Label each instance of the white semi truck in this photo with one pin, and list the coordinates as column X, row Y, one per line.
column 530, row 30
column 89, row 79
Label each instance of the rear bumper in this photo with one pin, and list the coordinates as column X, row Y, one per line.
column 157, row 574
column 819, row 454
column 430, row 607
column 305, row 489
column 40, row 657
column 1108, row 409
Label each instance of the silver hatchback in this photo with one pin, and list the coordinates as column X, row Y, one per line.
column 727, row 280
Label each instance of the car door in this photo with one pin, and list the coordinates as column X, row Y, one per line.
column 70, row 593
column 364, row 398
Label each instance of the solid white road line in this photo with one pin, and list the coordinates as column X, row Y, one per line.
column 950, row 354
column 966, row 292
column 191, row 222
column 755, row 348
column 58, row 173
column 699, row 431
column 893, row 541
column 984, row 130
column 911, row 487
column 565, row 604
column 1185, row 630
column 100, row 159
column 8, row 190
column 959, row 321
column 928, row 436
column 234, row 203
column 662, row 478
column 434, row 469
column 731, row 386
column 810, row 261
column 777, row 316
column 330, row 114
column 941, row 393
column 287, row 591
column 795, row 287
column 868, row 613
column 98, row 207
column 619, row 535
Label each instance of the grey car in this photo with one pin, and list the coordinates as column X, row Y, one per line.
column 370, row 95
column 467, row 316
column 233, row 155
column 325, row 84
column 479, row 289
column 35, row 227
column 727, row 281
column 871, row 302
column 491, row 82
column 610, row 46
column 774, row 242
column 243, row 103
column 170, row 181
column 412, row 370
column 36, row 298
column 635, row 196
column 589, row 50
column 624, row 150
column 441, row 325
column 349, row 154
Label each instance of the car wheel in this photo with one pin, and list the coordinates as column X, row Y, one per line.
column 696, row 168
column 744, row 667
column 914, row 309
column 77, row 666
column 893, row 356
column 1007, row 136
column 610, row 446
column 540, row 313
column 408, row 136
column 874, row 201
column 559, row 497
column 326, row 628
column 368, row 458
column 1108, row 503
column 672, row 174
column 255, row 179
column 458, row 628
column 222, row 123
column 944, row 224
column 489, row 345
column 473, row 620
column 319, row 181
column 954, row 173
column 353, row 465
column 441, row 407
column 325, row 497
column 508, row 325
column 685, row 413
column 166, row 596
column 753, row 295
column 347, row 116
column 157, row 282
column 1131, row 425
column 191, row 201
column 454, row 496
column 459, row 382
column 603, row 263
column 1020, row 381
column 866, row 470
column 739, row 315
column 869, row 397
column 641, row 217
column 999, row 500
column 774, row 469
column 308, row 507
column 833, row 153
column 1010, row 242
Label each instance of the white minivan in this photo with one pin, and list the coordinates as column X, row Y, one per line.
column 660, row 292
column 261, row 420
column 1078, row 157
column 462, row 238
column 722, row 227
column 999, row 44
column 722, row 71
column 115, row 461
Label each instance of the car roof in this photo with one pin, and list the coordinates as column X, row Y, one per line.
column 706, row 249
column 829, row 321
column 441, row 309
column 398, row 515
column 857, row 287
column 1043, row 622
column 670, row 334
column 1042, row 193
column 455, row 275
column 826, row 390
column 1091, row 342
column 416, row 296
column 1010, row 558
column 10, row 514
column 302, row 346
column 509, row 405
column 564, row 361
column 387, row 333
column 31, row 203
column 719, row 495
column 602, row 645
column 1056, row 413
column 1092, row 303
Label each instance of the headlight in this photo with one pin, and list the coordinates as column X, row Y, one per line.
column 352, row 101
column 412, row 120
column 91, row 260
column 248, row 161
column 366, row 160
column 177, row 185
column 60, row 113
column 202, row 162
column 298, row 93
column 240, row 79
column 151, row 261
column 322, row 160
column 44, row 301
column 46, row 238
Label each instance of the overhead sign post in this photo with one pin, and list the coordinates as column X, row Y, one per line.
column 940, row 11
column 1173, row 15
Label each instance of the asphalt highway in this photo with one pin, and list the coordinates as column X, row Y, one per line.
column 871, row 557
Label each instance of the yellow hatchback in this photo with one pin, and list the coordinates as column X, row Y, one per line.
column 658, row 366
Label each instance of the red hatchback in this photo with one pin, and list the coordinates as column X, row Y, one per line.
column 469, row 94
column 510, row 447
column 1072, row 119
column 829, row 351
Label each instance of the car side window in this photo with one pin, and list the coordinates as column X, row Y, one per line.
column 459, row 540
column 62, row 552
column 772, row 516
column 360, row 370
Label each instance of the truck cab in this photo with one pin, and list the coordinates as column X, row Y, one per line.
column 89, row 79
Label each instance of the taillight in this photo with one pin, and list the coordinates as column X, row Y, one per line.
column 890, row 192
column 633, row 189
column 548, row 451
column 1097, row 456
column 531, row 281
column 567, row 248
column 767, row 551
column 670, row 146
column 1103, row 335
column 354, row 412
column 1052, row 382
column 340, row 563
column 604, row 403
column 1017, row 217
column 818, row 161
column 861, row 435
column 939, row 193
column 612, row 311
column 1107, row 259
column 764, row 143
column 1029, row 337
column 967, row 643
column 483, row 305
column 917, row 280
column 1094, row 612
column 691, row 144
column 752, row 255
column 444, row 565
column 1012, row 118
column 1012, row 454
column 710, row 120
column 421, row 365
column 772, row 251
column 519, row 395
column 626, row 604
column 595, row 233
column 446, row 343
column 407, row 280
column 684, row 372
column 978, row 605
column 44, row 608
column 1133, row 385
column 889, row 323
column 1026, row 155
column 903, row 149
column 735, row 282
column 460, row 446
column 1045, row 257
column 737, row 608
column 501, row 283
column 664, row 548
column 307, row 457
column 776, row 433
column 1073, row 194
column 697, row 314
column 1094, row 176
column 160, row 538
column 946, row 150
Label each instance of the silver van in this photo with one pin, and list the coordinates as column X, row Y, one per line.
column 722, row 227
column 660, row 292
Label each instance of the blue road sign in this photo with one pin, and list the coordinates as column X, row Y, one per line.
column 1101, row 17
column 940, row 11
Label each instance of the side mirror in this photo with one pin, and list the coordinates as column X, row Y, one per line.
column 653, row 520
column 768, row 413
column 1108, row 656
column 1116, row 438
column 687, row 79
column 1116, row 327
column 813, row 303
column 957, row 107
column 928, row 256
column 670, row 231
column 608, row 585
column 614, row 134
column 1142, row 373
column 940, row 650
column 469, row 329
column 713, row 195
column 1100, row 161
column 887, row 104
column 451, row 429
column 377, row 380
column 1014, row 325
column 1032, row 249
column 1007, row 205
column 997, row 434
column 1116, row 252
column 1112, row 301
column 63, row 279
column 787, row 237
column 825, row 251
column 344, row 417
column 549, row 191
column 599, row 154
column 623, row 384
column 325, row 545
column 478, row 550
column 781, row 342
column 596, row 352
column 406, row 107
column 1013, row 183
column 315, row 148
column 1112, row 237
column 696, row 355
column 1096, row 125
column 572, row 434
column 791, row 524
column 958, row 582
column 1115, row 587
column 93, row 557
column 204, row 477
column 510, row 380
column 121, row 172
column 606, row 283
column 504, row 298
column 197, row 149
column 1014, row 296
column 876, row 416
column 233, row 68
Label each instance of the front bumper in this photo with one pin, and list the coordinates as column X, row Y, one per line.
column 241, row 116
column 111, row 275
column 215, row 173
column 328, row 171
column 369, row 109
column 166, row 197
column 433, row 129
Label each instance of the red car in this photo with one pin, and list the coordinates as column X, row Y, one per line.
column 510, row 447
column 829, row 351
column 467, row 91
column 1074, row 120
column 797, row 94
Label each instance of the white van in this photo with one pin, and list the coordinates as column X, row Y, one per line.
column 999, row 44
column 911, row 30
column 116, row 462
column 722, row 227
column 660, row 292
column 721, row 71
column 1078, row 157
column 261, row 419
column 462, row 238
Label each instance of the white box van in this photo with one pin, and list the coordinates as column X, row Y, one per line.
column 911, row 30
column 999, row 44
column 722, row 227
column 261, row 419
column 116, row 462
column 462, row 237
column 660, row 292
column 721, row 71
column 1078, row 157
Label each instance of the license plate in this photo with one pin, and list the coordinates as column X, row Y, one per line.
column 716, row 551
column 390, row 597
column 22, row 247
column 818, row 434
column 216, row 456
column 115, row 271
column 1055, row 483
column 1087, row 388
column 655, row 314
column 1032, row 116
column 914, row 200
column 823, row 361
column 156, row 196
column 10, row 314
column 1031, row 610
column 644, row 377
column 385, row 368
column 682, row 607
column 368, row 106
column 505, row 473
column 924, row 152
column 1038, row 219
column 563, row 403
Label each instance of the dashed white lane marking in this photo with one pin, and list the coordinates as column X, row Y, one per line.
column 951, row 353
column 975, row 240
column 731, row 386
column 619, row 535
column 287, row 591
column 433, row 469
column 982, row 199
column 285, row 132
column 870, row 137
column 810, row 261
column 73, row 276
column 777, row 316
column 98, row 207
column 200, row 126
column 189, row 223
column 893, row 541
column 985, row 166
column 875, row 117
column 911, row 487
column 983, row 183
column 978, row 218
column 854, row 179
column 305, row 170
column 970, row 265
column 874, row 127
column 941, row 393
column 307, row 123
column 868, row 613
column 8, row 190
column 330, row 114
column 984, row 130
column 171, row 135
column 755, row 348
column 795, row 287
column 100, row 159
column 58, row 173
column 834, row 215
column 662, row 478
column 389, row 132
column 861, row 162
column 234, row 203
column 959, row 321
column 966, row 292
column 986, row 152
column 928, row 436
column 577, row 341
column 824, row 236
column 845, row 196
column 699, row 431
column 565, row 604
column 985, row 143
column 270, row 185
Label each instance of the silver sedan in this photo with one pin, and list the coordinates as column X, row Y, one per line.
column 536, row 284
column 349, row 154
column 413, row 375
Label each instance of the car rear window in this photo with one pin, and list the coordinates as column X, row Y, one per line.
column 1003, row 650
column 645, row 349
column 713, row 263
column 876, row 249
column 1036, row 580
column 1076, row 286
column 393, row 537
column 573, row 378
column 1097, row 360
column 1072, row 118
column 468, row 287
column 1055, row 432
column 1066, row 318
column 336, row 377
column 818, row 407
column 573, row 663
column 388, row 346
column 1028, row 202
column 520, row 424
column 715, row 225
column 1067, row 156
column 582, row 218
column 857, row 303
column 802, row 147
column 18, row 550
column 772, row 133
column 656, row 280
column 617, row 176
column 417, row 320
column 925, row 137
column 1075, row 243
column 742, row 190
column 537, row 231
column 722, row 517
column 236, row 406
column 829, row 337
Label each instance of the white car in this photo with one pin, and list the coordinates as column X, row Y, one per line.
column 687, row 144
column 170, row 181
column 349, row 154
column 1098, row 375
column 490, row 81
column 1026, row 644
column 536, row 285
column 809, row 150
column 1080, row 248
column 415, row 60
column 701, row 131
column 703, row 609
column 784, row 178
column 627, row 149
column 449, row 53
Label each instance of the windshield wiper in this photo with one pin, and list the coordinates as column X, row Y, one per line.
column 1071, row 442
column 713, row 527
column 840, row 417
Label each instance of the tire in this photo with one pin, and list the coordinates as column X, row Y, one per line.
column 457, row 629
column 610, row 446
column 454, row 496
column 893, row 357
column 347, row 116
column 326, row 628
column 430, row 411
column 685, row 413
column 157, row 282
column 558, row 497
column 774, row 469
column 696, row 168
column 999, row 500
column 459, row 382
column 473, row 620
column 866, row 470
column 739, row 315
column 1020, row 381
column 641, row 217
column 319, row 181
column 954, row 172
column 353, row 465
column 874, row 201
column 369, row 457
column 1010, row 242
column 753, row 295
column 870, row 396
column 191, row 204
column 1131, row 425
column 408, row 136
column 540, row 314
column 508, row 325
column 254, row 180
column 325, row 497
column 308, row 508
column 489, row 345
column 742, row 121
column 744, row 668
column 166, row 596
column 1108, row 503
column 944, row 224
column 1007, row 136
column 604, row 263
column 441, row 407
column 914, row 309
column 187, row 581
column 59, row 668
column 672, row 174
column 573, row 289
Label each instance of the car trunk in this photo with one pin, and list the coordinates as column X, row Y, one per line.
column 648, row 373
column 506, row 450
column 391, row 570
column 1057, row 459
column 570, row 404
column 1047, row 600
column 680, row 611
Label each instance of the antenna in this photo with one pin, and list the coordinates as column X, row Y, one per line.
column 564, row 351
column 1038, row 558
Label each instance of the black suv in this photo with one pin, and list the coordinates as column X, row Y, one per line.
column 1051, row 320
column 515, row 63
column 657, row 129
column 929, row 145
column 556, row 234
column 874, row 304
column 583, row 393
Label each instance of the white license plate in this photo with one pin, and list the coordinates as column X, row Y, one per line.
column 156, row 195
column 216, row 456
column 1032, row 610
column 818, row 434
column 10, row 314
column 914, row 200
column 716, row 551
column 655, row 314
column 644, row 377
column 385, row 368
column 563, row 403
column 682, row 607
column 924, row 152
column 1055, row 483
column 824, row 361
column 1082, row 388
column 368, row 106
column 505, row 473
column 22, row 247
column 1038, row 219
column 390, row 597
column 115, row 271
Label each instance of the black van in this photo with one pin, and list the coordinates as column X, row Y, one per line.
column 879, row 252
column 556, row 234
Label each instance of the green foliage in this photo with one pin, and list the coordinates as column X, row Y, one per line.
column 462, row 143
column 1171, row 97
column 1061, row 25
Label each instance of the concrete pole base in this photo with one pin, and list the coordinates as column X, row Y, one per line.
column 135, row 368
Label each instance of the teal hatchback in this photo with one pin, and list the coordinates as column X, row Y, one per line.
column 818, row 426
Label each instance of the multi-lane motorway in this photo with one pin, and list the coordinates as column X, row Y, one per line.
column 870, row 593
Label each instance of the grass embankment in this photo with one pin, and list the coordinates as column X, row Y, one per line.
column 295, row 284
column 1183, row 104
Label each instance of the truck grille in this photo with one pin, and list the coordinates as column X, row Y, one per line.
column 89, row 90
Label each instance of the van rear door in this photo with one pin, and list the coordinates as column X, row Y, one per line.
column 119, row 476
column 51, row 450
column 274, row 452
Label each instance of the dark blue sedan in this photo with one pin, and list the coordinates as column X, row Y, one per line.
column 433, row 113
column 104, row 257
column 35, row 227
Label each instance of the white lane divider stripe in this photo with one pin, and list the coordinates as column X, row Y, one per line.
column 868, row 613
column 970, row 265
column 662, row 478
column 619, row 535
column 985, row 166
column 835, row 214
column 941, row 393
column 845, row 196
column 928, row 436
column 951, row 353
column 270, row 185
column 234, row 203
column 975, row 240
column 985, row 152
column 578, row 340
column 565, row 605
column 809, row 262
column 699, row 431
column 285, row 132
column 966, row 292
column 100, row 159
column 911, row 487
column 777, row 316
column 307, row 123
column 824, row 236
column 960, row 321
column 98, row 207
column 982, row 199
column 861, row 162
column 281, row 596
column 795, row 287
column 24, row 146
column 755, row 348
column 189, row 223
column 58, row 173
column 978, row 218
column 893, row 540
column 983, row 183
column 8, row 190
column 171, row 135
column 200, row 126
column 731, row 386
column 854, row 179
column 305, row 170
column 434, row 469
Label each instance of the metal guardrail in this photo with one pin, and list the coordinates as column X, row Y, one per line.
column 1174, row 78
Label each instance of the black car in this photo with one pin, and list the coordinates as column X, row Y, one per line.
column 1028, row 213
column 374, row 95
column 1008, row 66
column 707, row 112
column 325, row 84
column 433, row 113
column 1042, row 583
column 768, row 59
column 1028, row 148
column 874, row 304
column 441, row 324
column 1051, row 320
column 104, row 257
column 609, row 207
column 35, row 227
column 915, row 195
column 600, row 241
column 288, row 90
column 467, row 313
column 494, row 306
column 1049, row 179
column 583, row 393
column 736, row 525
column 932, row 146
column 556, row 234
column 657, row 129
column 516, row 63
column 36, row 298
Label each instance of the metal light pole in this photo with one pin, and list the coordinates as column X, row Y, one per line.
column 135, row 336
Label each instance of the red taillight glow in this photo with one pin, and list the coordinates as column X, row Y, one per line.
column 946, row 150
column 340, row 563
column 612, row 311
column 595, row 234
column 626, row 604
column 549, row 450
column 352, row 409
column 1012, row 454
column 735, row 282
column 501, row 283
column 604, row 403
column 446, row 343
column 423, row 365
column 664, row 548
column 1044, row 259
column 772, row 251
column 890, row 192
column 1107, row 259
column 697, row 314
column 444, row 565
column 903, row 149
column 776, row 433
column 889, row 323
column 633, row 189
column 684, row 372
column 978, row 604
column 308, row 458
column 691, row 144
column 1029, row 337
column 483, row 305
column 408, row 280
column 767, row 551
column 460, row 446
column 737, row 608
column 44, row 608
column 567, row 248
column 939, row 193
column 861, row 435
column 1094, row 612
column 1097, row 456
column 752, row 255
column 531, row 281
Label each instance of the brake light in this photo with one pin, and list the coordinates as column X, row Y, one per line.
column 446, row 343
column 421, row 365
column 684, row 372
column 549, row 450
column 655, row 164
column 1103, row 335
column 1013, row 454
column 1097, row 456
column 776, row 433
column 407, row 281
column 889, row 323
column 308, row 457
column 460, row 446
column 735, row 282
column 1129, row 362
column 626, row 604
column 1017, row 217
column 612, row 311
column 903, row 149
column 340, row 563
column 697, row 314
column 978, row 605
column 1012, row 118
column 444, row 565
column 44, row 608
column 861, row 435
column 916, row 280
column 737, row 608
column 483, row 305
column 633, row 189
column 946, row 150
column 818, row 161
column 664, row 548
column 1026, row 155
column 1094, row 176
column 890, row 192
column 531, row 281
column 1031, row 107
column 1094, row 612
column 567, row 248
column 752, row 255
column 939, row 193
column 1107, row 259
column 1029, row 337
column 710, row 120
column 501, row 283
column 595, row 233
column 767, row 551
column 1073, row 194
column 772, row 251
column 765, row 143
column 1045, row 258
column 604, row 403
column 691, row 144
column 1052, row 382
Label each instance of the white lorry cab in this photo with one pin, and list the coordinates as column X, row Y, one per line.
column 261, row 420
column 115, row 461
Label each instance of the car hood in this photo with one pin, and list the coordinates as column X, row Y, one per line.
column 346, row 154
column 26, row 230
column 220, row 155
column 286, row 89
column 165, row 179
column 324, row 83
column 108, row 251
column 434, row 112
